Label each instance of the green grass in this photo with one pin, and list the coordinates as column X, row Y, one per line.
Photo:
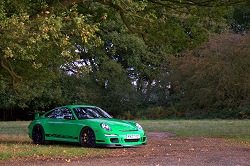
column 14, row 128
column 238, row 130
column 15, row 143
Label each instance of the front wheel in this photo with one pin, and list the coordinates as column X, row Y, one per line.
column 38, row 136
column 87, row 138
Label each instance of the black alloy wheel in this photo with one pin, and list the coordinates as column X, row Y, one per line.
column 38, row 136
column 87, row 138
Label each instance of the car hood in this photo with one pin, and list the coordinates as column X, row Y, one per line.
column 115, row 124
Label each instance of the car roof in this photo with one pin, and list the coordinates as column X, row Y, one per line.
column 77, row 105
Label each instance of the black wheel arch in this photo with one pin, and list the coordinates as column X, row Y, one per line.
column 92, row 137
column 38, row 134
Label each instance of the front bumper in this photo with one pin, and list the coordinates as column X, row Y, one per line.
column 115, row 140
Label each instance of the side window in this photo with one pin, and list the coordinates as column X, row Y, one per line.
column 60, row 113
column 54, row 114
column 67, row 114
column 80, row 113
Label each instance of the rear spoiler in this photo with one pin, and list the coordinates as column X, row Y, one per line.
column 37, row 115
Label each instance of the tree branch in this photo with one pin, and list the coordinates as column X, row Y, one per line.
column 207, row 3
column 7, row 66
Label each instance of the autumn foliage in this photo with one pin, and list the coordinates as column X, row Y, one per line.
column 214, row 80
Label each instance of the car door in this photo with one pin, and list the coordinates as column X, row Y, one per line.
column 63, row 126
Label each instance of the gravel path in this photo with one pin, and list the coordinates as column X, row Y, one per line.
column 162, row 150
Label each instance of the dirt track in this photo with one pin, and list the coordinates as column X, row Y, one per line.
column 164, row 150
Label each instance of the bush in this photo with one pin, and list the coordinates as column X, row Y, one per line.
column 214, row 79
column 156, row 113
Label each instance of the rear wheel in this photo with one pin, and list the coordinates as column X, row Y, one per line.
column 87, row 137
column 38, row 135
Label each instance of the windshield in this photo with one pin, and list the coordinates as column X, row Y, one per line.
column 90, row 113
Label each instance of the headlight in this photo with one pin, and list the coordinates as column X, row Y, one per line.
column 138, row 126
column 105, row 127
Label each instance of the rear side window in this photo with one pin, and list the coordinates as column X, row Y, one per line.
column 60, row 113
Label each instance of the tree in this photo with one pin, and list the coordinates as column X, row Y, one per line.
column 40, row 37
column 40, row 42
column 34, row 47
column 214, row 79
column 239, row 19
column 38, row 26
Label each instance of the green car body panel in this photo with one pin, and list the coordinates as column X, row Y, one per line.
column 67, row 123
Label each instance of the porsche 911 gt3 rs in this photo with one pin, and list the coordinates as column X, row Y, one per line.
column 87, row 125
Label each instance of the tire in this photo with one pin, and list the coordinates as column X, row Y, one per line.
column 38, row 135
column 87, row 138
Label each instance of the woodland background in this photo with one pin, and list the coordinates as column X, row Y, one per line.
column 143, row 59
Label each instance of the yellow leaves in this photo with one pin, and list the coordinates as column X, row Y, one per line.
column 36, row 155
column 67, row 18
column 14, row 22
column 105, row 16
column 84, row 37
column 66, row 38
column 78, row 21
column 25, row 18
column 67, row 160
column 45, row 29
column 8, row 52
column 65, row 42
column 37, row 65
column 46, row 36
column 87, row 33
column 65, row 53
column 31, row 40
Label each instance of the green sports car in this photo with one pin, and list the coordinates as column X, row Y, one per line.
column 87, row 125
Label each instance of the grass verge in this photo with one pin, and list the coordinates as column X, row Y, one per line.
column 15, row 143
column 237, row 130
